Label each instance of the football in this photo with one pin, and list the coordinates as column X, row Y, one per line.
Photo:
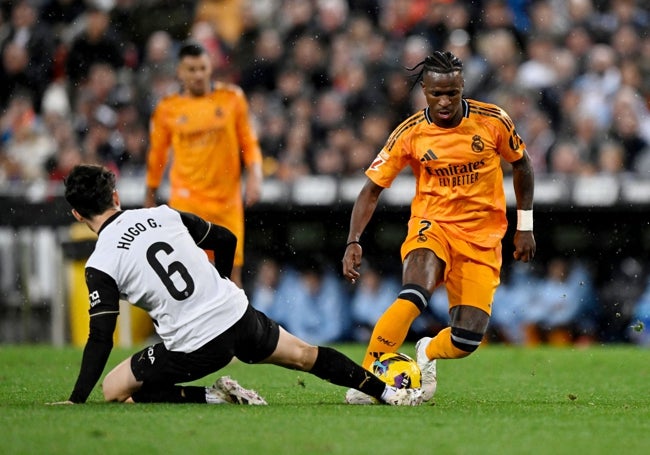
column 398, row 370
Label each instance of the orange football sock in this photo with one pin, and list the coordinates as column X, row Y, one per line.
column 391, row 330
column 441, row 347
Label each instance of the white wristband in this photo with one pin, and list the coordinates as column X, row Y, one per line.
column 524, row 220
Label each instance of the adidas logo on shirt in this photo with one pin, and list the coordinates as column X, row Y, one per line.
column 428, row 156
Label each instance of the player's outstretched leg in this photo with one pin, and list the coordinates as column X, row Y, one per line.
column 335, row 367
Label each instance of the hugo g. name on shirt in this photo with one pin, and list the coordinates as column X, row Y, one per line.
column 132, row 232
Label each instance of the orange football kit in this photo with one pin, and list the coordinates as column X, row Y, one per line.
column 459, row 207
column 207, row 138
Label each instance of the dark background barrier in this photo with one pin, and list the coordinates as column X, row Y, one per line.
column 286, row 230
column 601, row 236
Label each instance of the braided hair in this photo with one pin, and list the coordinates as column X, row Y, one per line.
column 443, row 62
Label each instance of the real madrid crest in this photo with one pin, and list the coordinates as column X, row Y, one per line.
column 477, row 144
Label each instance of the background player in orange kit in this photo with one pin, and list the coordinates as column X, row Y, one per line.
column 207, row 132
column 454, row 147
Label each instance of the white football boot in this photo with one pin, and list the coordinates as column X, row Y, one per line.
column 229, row 390
column 214, row 395
column 354, row 396
column 405, row 397
column 427, row 367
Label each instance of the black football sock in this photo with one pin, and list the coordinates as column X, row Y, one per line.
column 337, row 368
column 169, row 394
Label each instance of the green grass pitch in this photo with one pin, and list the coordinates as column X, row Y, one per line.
column 501, row 400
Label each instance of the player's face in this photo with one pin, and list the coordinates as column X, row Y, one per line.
column 444, row 93
column 195, row 73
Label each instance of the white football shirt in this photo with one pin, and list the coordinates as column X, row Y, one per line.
column 157, row 266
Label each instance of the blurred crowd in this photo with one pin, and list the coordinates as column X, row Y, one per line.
column 557, row 303
column 327, row 80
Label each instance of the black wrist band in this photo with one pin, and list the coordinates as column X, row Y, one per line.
column 351, row 242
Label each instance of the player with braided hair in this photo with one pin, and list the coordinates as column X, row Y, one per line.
column 458, row 216
column 439, row 62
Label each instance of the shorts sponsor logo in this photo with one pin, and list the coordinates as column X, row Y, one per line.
column 150, row 355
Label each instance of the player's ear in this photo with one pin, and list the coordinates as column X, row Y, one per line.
column 116, row 199
column 77, row 216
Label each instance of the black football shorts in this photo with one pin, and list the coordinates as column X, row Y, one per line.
column 251, row 339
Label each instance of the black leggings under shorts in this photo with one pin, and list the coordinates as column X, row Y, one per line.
column 251, row 339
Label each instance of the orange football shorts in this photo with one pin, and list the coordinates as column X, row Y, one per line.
column 228, row 217
column 471, row 273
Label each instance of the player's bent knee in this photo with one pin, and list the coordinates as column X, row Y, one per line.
column 119, row 383
column 115, row 394
column 112, row 390
column 109, row 391
column 465, row 340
